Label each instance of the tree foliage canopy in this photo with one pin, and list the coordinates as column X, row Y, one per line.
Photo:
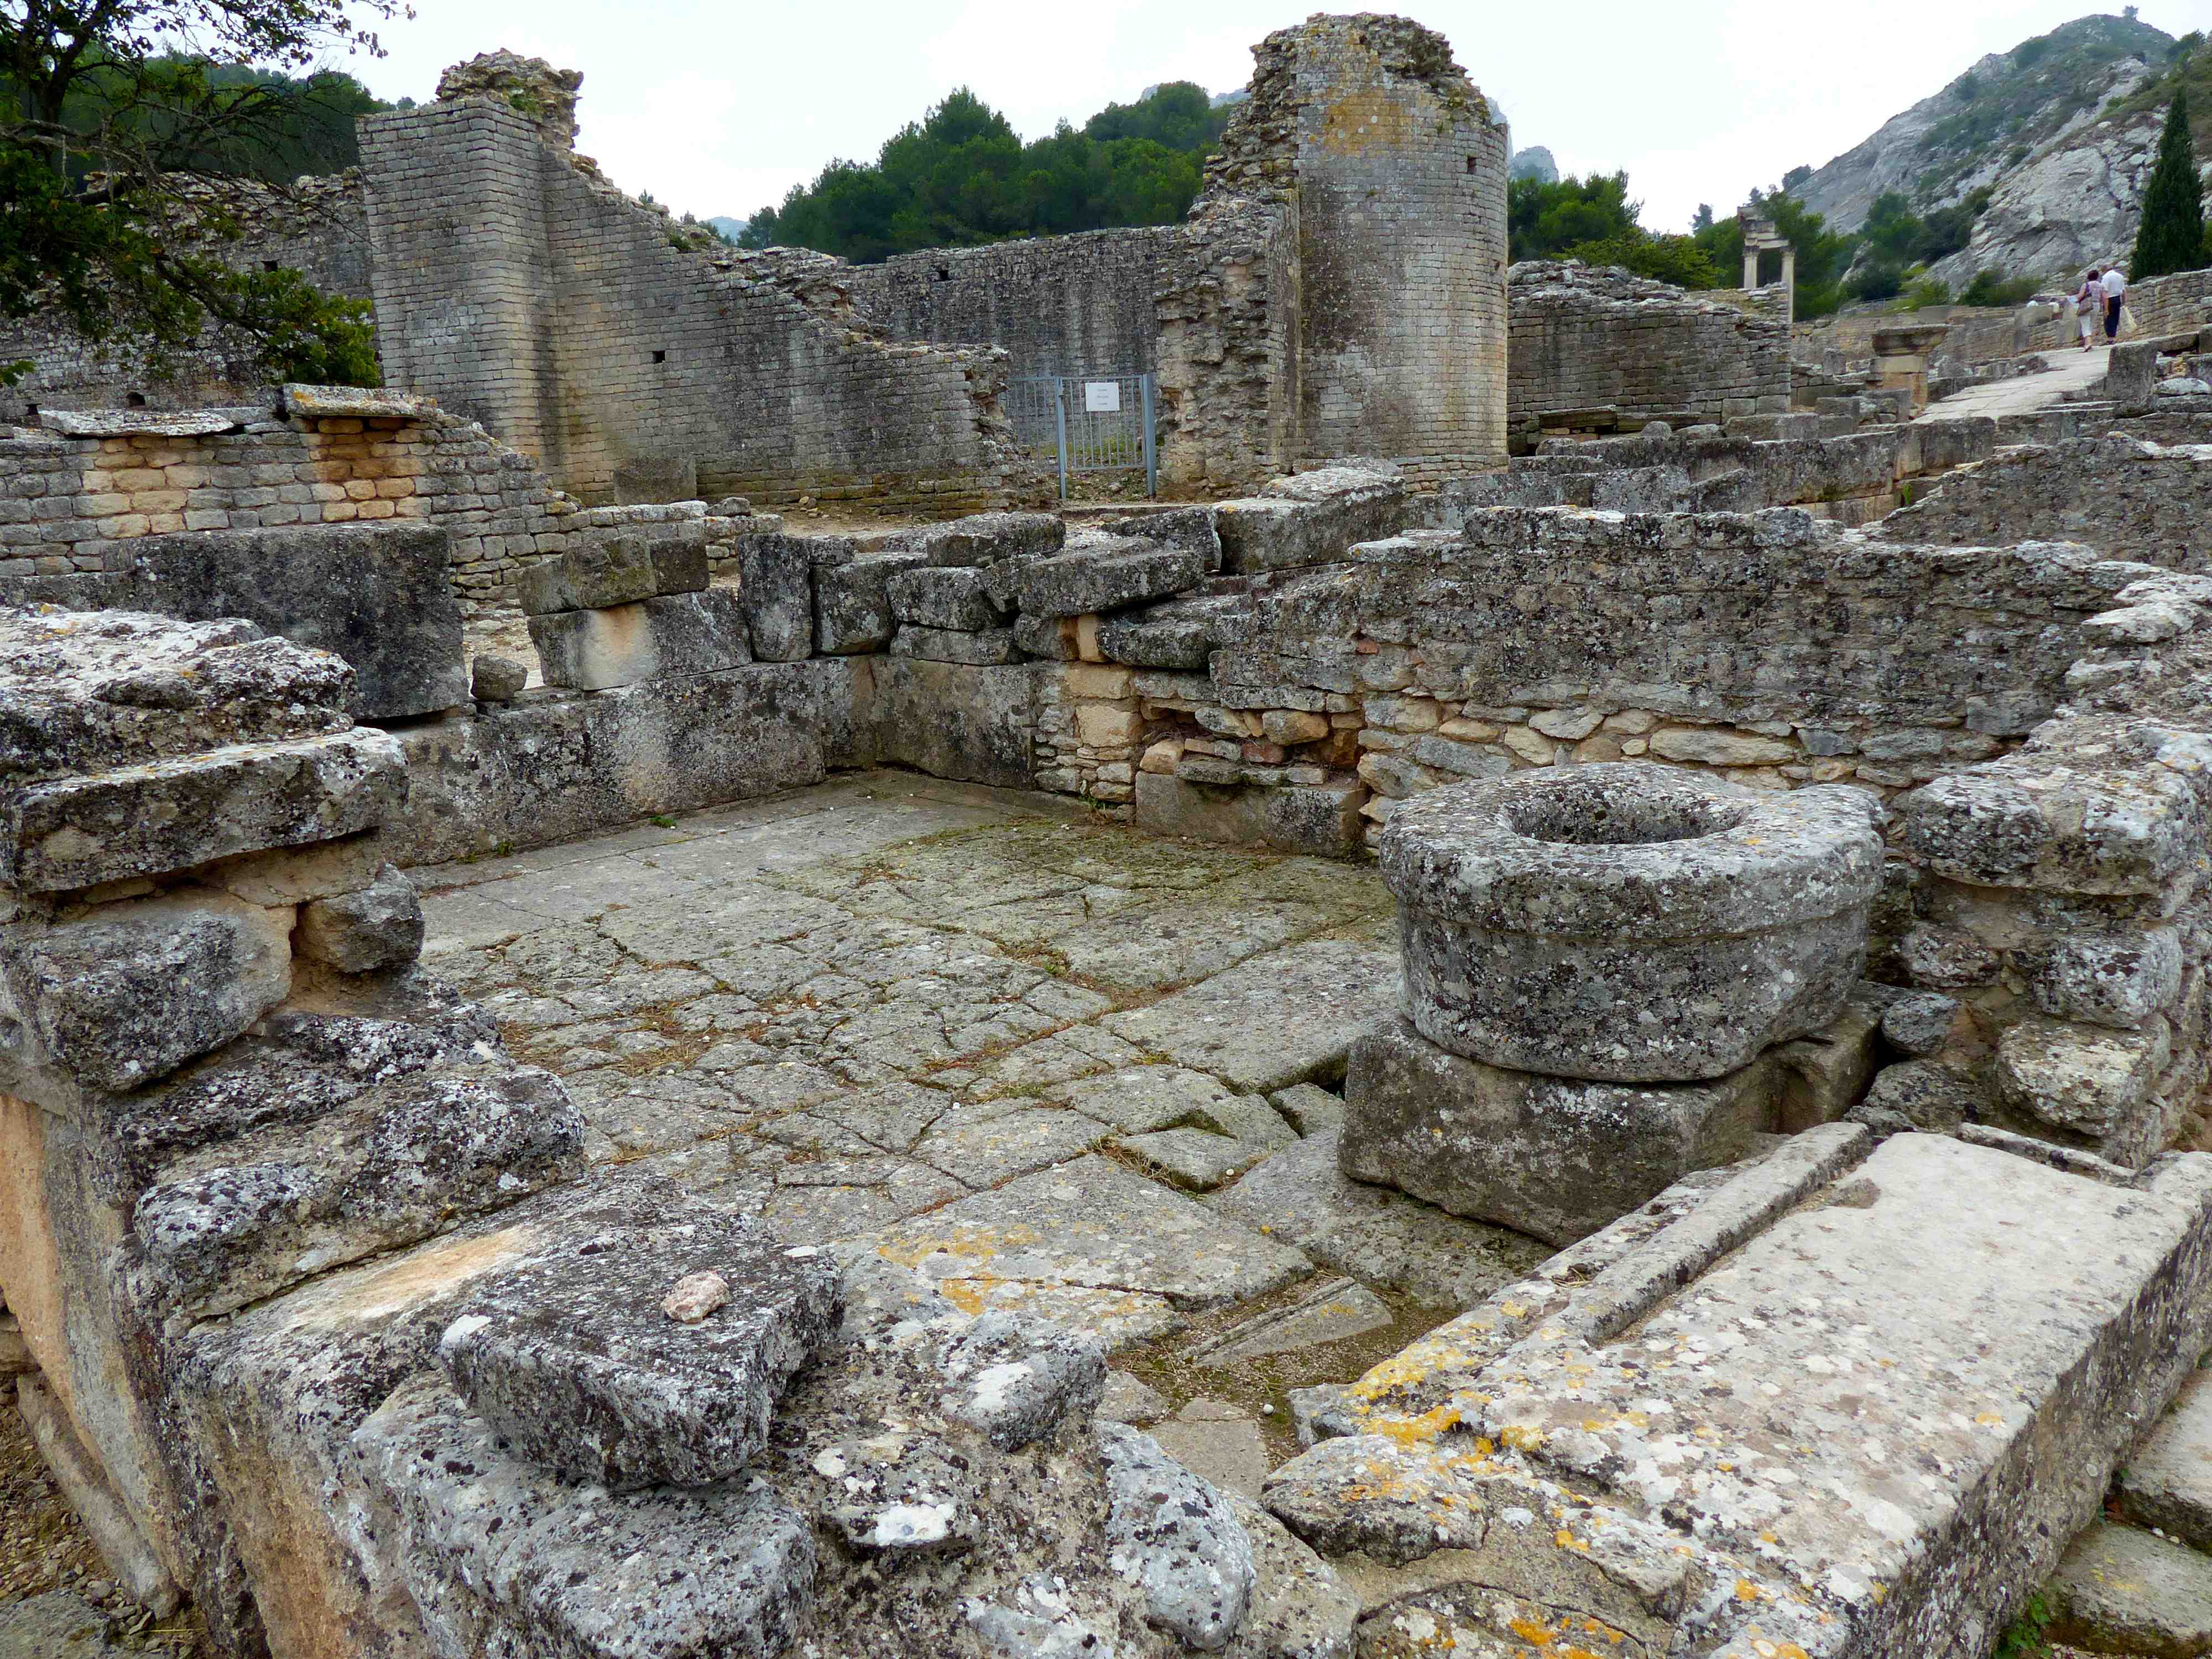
column 104, row 104
column 961, row 176
column 2172, row 235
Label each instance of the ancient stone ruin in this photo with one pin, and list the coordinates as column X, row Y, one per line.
column 1597, row 1051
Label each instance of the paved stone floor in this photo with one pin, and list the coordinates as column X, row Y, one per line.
column 1046, row 1062
column 2072, row 370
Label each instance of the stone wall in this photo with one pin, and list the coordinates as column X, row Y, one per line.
column 2127, row 498
column 519, row 287
column 1337, row 290
column 318, row 227
column 70, row 503
column 1854, row 477
column 1401, row 237
column 1058, row 305
column 1584, row 338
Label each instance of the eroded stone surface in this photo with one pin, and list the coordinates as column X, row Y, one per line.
column 573, row 1369
column 1615, row 922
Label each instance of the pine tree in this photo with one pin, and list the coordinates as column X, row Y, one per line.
column 2172, row 234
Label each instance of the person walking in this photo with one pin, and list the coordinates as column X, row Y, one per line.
column 2088, row 301
column 2115, row 293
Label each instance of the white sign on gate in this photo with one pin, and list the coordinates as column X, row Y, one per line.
column 1102, row 396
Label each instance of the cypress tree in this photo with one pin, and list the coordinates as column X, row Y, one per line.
column 2172, row 237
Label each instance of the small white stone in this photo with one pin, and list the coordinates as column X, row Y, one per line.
column 694, row 1296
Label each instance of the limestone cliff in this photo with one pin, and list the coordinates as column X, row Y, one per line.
column 2056, row 128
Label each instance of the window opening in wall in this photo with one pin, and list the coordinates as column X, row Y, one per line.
column 945, row 273
column 660, row 356
column 1471, row 168
column 269, row 264
column 137, row 400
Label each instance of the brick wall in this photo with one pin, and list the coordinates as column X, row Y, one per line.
column 522, row 290
column 1584, row 339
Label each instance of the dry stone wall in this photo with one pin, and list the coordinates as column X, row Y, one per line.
column 519, row 287
column 1584, row 339
column 2126, row 497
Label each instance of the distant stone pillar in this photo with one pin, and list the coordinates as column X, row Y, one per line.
column 1788, row 283
column 1750, row 268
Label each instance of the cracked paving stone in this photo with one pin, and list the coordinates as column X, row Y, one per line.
column 1378, row 1236
column 1290, row 1016
column 1197, row 1159
column 1141, row 1098
column 1089, row 1243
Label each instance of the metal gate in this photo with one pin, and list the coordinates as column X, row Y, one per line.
column 1088, row 423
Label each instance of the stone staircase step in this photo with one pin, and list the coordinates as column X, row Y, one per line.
column 2167, row 1483
column 2120, row 1591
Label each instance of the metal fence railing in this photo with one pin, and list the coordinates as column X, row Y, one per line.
column 1082, row 423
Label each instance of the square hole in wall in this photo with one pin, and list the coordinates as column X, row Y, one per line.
column 1471, row 167
column 660, row 356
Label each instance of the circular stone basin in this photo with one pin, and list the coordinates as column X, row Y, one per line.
column 1628, row 923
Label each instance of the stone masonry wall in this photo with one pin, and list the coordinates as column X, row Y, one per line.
column 65, row 500
column 523, row 290
column 318, row 227
column 1770, row 648
column 2126, row 498
column 1586, row 339
column 1401, row 238
column 1059, row 304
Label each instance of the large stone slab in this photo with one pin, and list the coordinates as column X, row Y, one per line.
column 1090, row 1244
column 485, row 1540
column 944, row 596
column 1309, row 519
column 1856, row 1410
column 622, row 570
column 174, row 814
column 776, row 578
column 2120, row 1590
column 1301, row 1196
column 235, row 1221
column 668, row 636
column 2167, row 1483
column 375, row 594
column 952, row 720
column 91, row 692
column 853, row 604
column 1558, row 1158
column 1098, row 579
column 592, row 1365
column 133, row 991
column 1322, row 819
column 1287, row 1017
column 550, row 767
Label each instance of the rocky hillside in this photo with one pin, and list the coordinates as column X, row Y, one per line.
column 2059, row 129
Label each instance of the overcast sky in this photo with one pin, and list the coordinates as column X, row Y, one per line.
column 718, row 107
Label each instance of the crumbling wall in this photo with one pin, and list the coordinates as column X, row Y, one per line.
column 1229, row 360
column 1401, row 238
column 73, row 503
column 318, row 227
column 523, row 290
column 2127, row 498
column 1855, row 476
column 1585, row 338
column 1058, row 305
